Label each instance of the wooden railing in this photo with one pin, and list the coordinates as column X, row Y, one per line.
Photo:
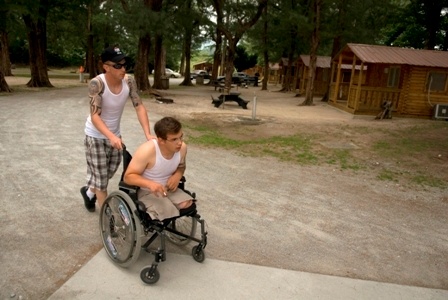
column 342, row 93
column 371, row 98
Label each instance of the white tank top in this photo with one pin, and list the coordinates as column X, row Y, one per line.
column 112, row 106
column 163, row 168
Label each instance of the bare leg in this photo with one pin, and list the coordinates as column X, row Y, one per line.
column 100, row 197
column 184, row 204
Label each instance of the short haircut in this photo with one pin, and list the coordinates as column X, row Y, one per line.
column 165, row 126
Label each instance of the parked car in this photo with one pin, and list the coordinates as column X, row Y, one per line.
column 202, row 73
column 171, row 74
column 239, row 78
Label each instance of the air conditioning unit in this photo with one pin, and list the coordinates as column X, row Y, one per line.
column 441, row 111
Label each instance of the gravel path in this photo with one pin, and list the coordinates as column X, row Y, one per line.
column 258, row 211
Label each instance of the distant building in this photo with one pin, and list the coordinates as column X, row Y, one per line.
column 203, row 65
column 413, row 80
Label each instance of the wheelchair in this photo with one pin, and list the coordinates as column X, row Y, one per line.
column 124, row 224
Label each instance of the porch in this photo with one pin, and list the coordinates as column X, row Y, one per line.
column 363, row 99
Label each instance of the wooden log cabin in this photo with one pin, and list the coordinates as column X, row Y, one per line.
column 413, row 80
column 322, row 77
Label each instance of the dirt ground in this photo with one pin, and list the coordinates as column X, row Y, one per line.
column 318, row 218
column 279, row 114
column 381, row 226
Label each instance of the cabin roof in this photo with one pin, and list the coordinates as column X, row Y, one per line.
column 395, row 55
column 321, row 61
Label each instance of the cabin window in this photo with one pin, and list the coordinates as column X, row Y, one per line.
column 394, row 77
column 436, row 82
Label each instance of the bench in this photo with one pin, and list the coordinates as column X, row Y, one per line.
column 230, row 97
column 219, row 85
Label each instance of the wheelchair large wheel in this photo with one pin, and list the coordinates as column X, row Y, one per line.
column 186, row 225
column 121, row 231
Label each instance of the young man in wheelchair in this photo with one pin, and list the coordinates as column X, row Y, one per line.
column 157, row 167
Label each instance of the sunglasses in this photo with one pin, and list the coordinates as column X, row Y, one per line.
column 118, row 66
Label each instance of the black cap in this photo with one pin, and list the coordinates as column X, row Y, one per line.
column 113, row 54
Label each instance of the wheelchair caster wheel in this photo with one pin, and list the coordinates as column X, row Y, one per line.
column 149, row 275
column 198, row 254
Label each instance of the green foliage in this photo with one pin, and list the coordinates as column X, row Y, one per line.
column 244, row 60
column 413, row 23
column 418, row 24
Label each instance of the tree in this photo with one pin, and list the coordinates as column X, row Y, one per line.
column 189, row 20
column 291, row 23
column 315, row 40
column 264, row 86
column 4, row 57
column 240, row 18
column 91, row 65
column 244, row 60
column 419, row 24
column 5, row 62
column 141, row 69
column 35, row 18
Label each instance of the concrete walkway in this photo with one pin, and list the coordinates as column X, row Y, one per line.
column 183, row 278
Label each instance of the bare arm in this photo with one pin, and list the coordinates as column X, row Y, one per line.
column 95, row 88
column 140, row 109
column 173, row 181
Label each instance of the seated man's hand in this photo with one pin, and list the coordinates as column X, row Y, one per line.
column 157, row 189
column 172, row 184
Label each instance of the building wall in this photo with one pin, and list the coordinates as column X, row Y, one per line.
column 416, row 99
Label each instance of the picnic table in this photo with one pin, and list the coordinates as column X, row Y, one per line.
column 232, row 96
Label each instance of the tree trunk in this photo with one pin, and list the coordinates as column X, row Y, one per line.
column 4, row 87
column 5, row 65
column 217, row 55
column 5, row 62
column 187, row 53
column 37, row 40
column 187, row 49
column 141, row 64
column 433, row 20
column 182, row 60
column 229, row 66
column 286, row 86
column 156, row 6
column 315, row 40
column 91, row 62
column 158, row 55
column 264, row 86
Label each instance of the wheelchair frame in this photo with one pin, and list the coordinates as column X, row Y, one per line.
column 124, row 222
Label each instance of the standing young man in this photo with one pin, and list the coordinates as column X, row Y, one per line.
column 108, row 93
